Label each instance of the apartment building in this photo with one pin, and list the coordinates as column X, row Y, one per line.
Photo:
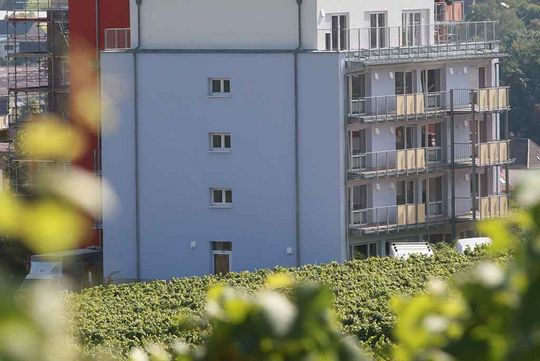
column 256, row 133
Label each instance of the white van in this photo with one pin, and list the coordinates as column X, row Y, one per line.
column 471, row 243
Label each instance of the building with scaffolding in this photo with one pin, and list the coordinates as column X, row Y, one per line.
column 256, row 133
column 38, row 74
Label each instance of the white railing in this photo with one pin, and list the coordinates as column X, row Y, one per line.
column 117, row 38
column 413, row 41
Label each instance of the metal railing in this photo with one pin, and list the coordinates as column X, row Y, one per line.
column 493, row 206
column 396, row 217
column 452, row 12
column 384, row 107
column 404, row 161
column 486, row 154
column 383, row 43
column 117, row 38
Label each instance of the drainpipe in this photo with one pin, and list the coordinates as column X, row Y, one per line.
column 136, row 141
column 296, row 150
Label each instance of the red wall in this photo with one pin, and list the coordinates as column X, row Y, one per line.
column 83, row 25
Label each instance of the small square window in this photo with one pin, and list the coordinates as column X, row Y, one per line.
column 220, row 142
column 220, row 87
column 221, row 197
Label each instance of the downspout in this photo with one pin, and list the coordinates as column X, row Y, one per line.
column 296, row 148
column 136, row 141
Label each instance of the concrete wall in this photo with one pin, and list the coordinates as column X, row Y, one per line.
column 232, row 24
column 322, row 158
column 118, row 158
column 177, row 171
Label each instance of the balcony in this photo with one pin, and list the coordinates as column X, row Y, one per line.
column 117, row 39
column 494, row 206
column 377, row 45
column 408, row 217
column 492, row 153
column 416, row 106
column 398, row 218
column 395, row 162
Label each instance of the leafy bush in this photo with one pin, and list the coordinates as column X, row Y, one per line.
column 120, row 317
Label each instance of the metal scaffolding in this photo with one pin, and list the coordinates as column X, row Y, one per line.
column 38, row 75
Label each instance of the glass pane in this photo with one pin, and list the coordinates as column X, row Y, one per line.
column 226, row 86
column 216, row 86
column 400, row 199
column 399, row 80
column 400, row 138
column 410, row 192
column 216, row 141
column 408, row 82
column 222, row 246
column 360, row 252
column 217, row 196
column 228, row 196
column 358, row 86
column 228, row 141
column 373, row 249
column 221, row 264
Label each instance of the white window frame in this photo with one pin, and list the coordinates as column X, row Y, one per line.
column 221, row 149
column 222, row 93
column 222, row 204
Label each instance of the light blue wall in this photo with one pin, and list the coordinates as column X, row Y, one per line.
column 118, row 164
column 177, row 170
column 322, row 158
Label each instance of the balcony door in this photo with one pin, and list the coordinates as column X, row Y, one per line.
column 405, row 137
column 359, row 204
column 432, row 194
column 404, row 82
column 378, row 29
column 357, row 93
column 431, row 86
column 339, row 32
column 405, row 192
column 411, row 30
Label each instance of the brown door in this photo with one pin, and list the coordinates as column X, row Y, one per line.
column 222, row 263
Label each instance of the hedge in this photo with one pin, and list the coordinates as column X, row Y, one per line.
column 119, row 317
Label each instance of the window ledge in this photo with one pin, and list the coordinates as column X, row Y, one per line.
column 213, row 151
column 220, row 207
column 218, row 96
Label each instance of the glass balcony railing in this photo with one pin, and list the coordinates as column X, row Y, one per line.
column 421, row 105
column 386, row 44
